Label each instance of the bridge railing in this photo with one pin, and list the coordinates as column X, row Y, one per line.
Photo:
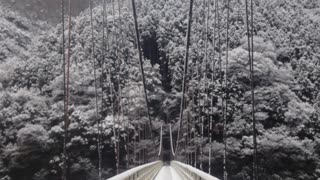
column 143, row 172
column 190, row 173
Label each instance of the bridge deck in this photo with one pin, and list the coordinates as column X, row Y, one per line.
column 159, row 170
column 168, row 173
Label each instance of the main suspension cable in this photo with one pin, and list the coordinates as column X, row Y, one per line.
column 141, row 67
column 185, row 72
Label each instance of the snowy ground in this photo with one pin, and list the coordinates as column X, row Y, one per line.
column 168, row 173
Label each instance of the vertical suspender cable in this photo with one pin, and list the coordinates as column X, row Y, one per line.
column 188, row 139
column 118, row 38
column 122, row 108
column 103, row 72
column 213, row 75
column 103, row 69
column 212, row 78
column 160, row 145
column 119, row 20
column 96, row 90
column 219, row 47
column 206, row 71
column 122, row 122
column 201, row 144
column 190, row 123
column 64, row 174
column 126, row 146
column 63, row 54
column 226, row 96
column 134, row 145
column 220, row 69
column 144, row 148
column 204, row 81
column 201, row 99
column 197, row 91
column 113, row 20
column 185, row 71
column 129, row 115
column 255, row 163
column 221, row 85
column 141, row 67
column 114, row 124
column 250, row 55
column 66, row 97
column 137, row 139
column 140, row 137
column 68, row 67
column 214, row 40
column 198, row 76
column 112, row 99
column 118, row 122
column 171, row 140
column 193, row 133
column 103, row 56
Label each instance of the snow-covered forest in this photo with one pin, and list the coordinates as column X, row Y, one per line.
column 287, row 88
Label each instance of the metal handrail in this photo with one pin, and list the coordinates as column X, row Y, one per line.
column 188, row 172
column 143, row 172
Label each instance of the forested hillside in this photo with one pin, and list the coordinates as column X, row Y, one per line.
column 45, row 10
column 287, row 85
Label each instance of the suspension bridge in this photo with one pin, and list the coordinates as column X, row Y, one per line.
column 167, row 166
